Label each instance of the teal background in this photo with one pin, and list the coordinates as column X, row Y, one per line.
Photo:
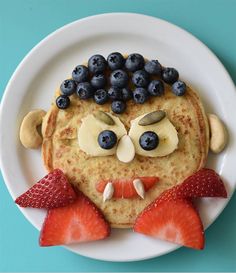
column 23, row 23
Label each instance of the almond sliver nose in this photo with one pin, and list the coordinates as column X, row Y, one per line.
column 125, row 151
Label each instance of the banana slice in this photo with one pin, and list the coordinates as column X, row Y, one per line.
column 168, row 137
column 89, row 130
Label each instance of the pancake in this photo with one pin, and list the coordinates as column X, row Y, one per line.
column 60, row 149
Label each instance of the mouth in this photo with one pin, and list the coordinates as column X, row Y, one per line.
column 135, row 187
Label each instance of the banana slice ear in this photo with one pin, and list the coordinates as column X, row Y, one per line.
column 168, row 137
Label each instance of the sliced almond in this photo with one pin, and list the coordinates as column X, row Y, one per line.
column 138, row 185
column 108, row 192
column 125, row 151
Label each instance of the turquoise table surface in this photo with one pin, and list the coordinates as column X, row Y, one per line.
column 23, row 23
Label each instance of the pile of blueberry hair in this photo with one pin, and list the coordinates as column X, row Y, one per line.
column 118, row 79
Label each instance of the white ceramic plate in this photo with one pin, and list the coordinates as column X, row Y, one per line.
column 52, row 60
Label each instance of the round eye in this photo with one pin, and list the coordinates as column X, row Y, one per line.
column 107, row 139
column 149, row 140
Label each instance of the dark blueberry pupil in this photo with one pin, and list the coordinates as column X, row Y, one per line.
column 137, row 96
column 107, row 139
column 149, row 140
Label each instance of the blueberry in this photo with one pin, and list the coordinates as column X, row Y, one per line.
column 156, row 88
column 80, row 73
column 97, row 64
column 115, row 93
column 68, row 87
column 115, row 61
column 127, row 94
column 101, row 96
column 170, row 75
column 140, row 78
column 118, row 106
column 63, row 102
column 134, row 62
column 98, row 81
column 84, row 90
column 140, row 95
column 119, row 78
column 149, row 140
column 153, row 67
column 179, row 88
column 107, row 139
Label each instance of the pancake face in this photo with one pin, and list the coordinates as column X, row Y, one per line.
column 61, row 150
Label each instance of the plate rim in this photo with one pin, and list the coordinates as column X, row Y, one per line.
column 64, row 28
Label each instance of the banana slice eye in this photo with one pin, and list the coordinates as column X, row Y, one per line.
column 163, row 140
column 97, row 137
column 90, row 130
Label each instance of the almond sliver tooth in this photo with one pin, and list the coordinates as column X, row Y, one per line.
column 138, row 185
column 108, row 192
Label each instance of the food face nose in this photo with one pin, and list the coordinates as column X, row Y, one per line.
column 125, row 150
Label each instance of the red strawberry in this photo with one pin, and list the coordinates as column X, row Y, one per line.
column 173, row 220
column 80, row 221
column 123, row 188
column 203, row 183
column 52, row 191
column 128, row 190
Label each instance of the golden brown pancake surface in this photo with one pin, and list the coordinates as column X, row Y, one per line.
column 61, row 150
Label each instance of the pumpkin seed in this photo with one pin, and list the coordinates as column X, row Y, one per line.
column 102, row 116
column 152, row 118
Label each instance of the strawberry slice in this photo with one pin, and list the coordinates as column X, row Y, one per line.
column 80, row 221
column 129, row 191
column 203, row 183
column 176, row 221
column 124, row 188
column 52, row 191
